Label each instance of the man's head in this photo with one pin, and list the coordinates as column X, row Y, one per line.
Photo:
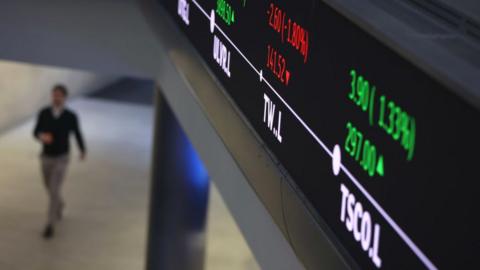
column 59, row 95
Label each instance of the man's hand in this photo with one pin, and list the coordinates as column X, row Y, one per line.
column 83, row 156
column 46, row 138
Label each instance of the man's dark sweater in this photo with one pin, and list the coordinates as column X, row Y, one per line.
column 60, row 128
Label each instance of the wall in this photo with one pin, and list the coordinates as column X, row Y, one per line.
column 25, row 88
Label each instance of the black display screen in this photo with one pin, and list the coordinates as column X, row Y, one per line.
column 385, row 154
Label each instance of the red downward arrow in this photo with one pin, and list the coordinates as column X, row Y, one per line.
column 287, row 75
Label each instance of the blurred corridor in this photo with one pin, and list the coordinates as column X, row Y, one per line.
column 106, row 196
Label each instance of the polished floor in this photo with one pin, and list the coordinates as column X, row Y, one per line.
column 106, row 212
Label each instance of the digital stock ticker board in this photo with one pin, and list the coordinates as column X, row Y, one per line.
column 386, row 155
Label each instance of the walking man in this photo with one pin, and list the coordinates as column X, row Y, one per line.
column 54, row 126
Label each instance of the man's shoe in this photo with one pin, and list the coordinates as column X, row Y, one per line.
column 49, row 232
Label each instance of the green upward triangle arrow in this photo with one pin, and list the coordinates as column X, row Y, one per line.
column 380, row 168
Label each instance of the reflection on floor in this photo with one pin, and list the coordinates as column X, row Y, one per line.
column 105, row 223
